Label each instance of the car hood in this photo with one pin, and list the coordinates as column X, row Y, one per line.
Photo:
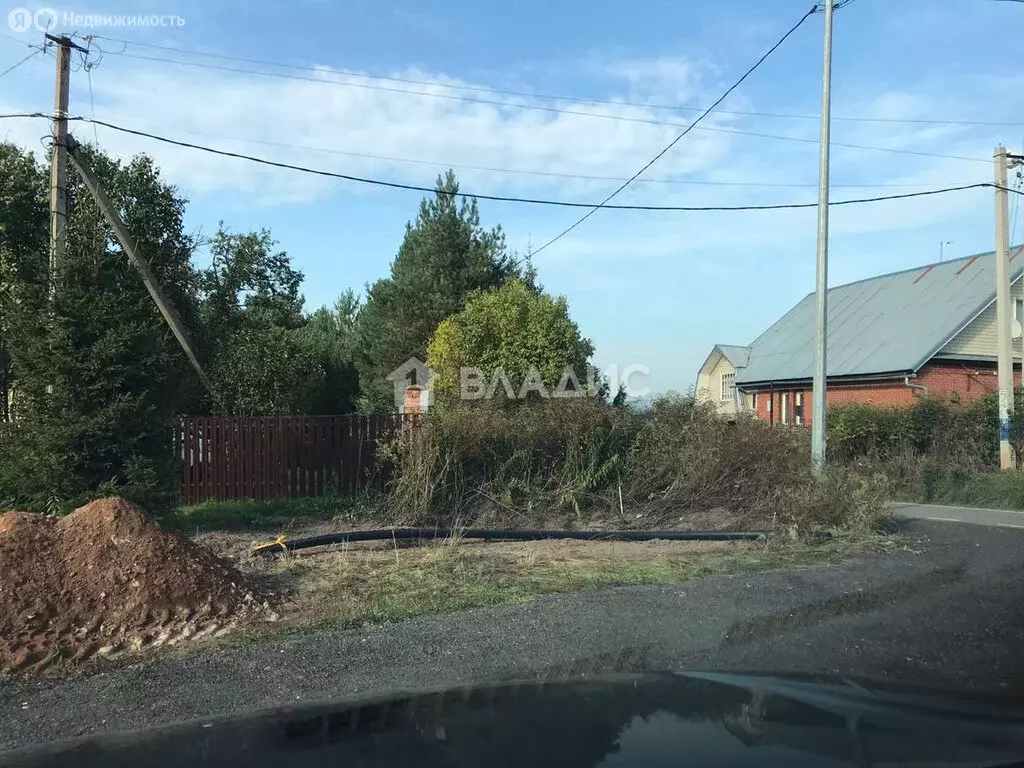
column 699, row 718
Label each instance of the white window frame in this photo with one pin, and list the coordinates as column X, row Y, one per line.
column 798, row 416
column 728, row 387
column 785, row 408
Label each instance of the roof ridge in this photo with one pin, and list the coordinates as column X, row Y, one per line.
column 922, row 266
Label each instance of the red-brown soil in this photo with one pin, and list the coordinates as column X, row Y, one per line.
column 106, row 579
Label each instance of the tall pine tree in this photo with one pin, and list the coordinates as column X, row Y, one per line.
column 446, row 255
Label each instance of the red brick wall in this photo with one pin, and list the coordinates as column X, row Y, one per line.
column 413, row 399
column 943, row 379
column 776, row 398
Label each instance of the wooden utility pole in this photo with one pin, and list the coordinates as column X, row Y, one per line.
column 130, row 248
column 58, row 160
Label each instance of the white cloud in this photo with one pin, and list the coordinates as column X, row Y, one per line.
column 189, row 103
column 255, row 115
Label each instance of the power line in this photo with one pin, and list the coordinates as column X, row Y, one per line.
column 676, row 140
column 557, row 110
column 1016, row 205
column 16, row 39
column 550, row 174
column 510, row 199
column 326, row 150
column 19, row 63
column 389, row 89
column 89, row 65
column 501, row 92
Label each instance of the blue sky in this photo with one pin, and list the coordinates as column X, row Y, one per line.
column 657, row 289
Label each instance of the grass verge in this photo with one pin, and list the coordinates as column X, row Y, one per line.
column 270, row 515
column 355, row 587
column 966, row 487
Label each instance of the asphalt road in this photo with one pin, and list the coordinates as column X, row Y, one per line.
column 1000, row 518
column 948, row 611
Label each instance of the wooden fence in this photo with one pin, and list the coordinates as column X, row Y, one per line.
column 270, row 457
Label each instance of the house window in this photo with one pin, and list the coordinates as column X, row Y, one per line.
column 727, row 385
column 753, row 402
column 784, row 397
column 798, row 408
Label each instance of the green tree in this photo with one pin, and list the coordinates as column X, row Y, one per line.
column 514, row 330
column 269, row 357
column 268, row 370
column 249, row 282
column 251, row 307
column 445, row 257
column 331, row 337
column 99, row 376
column 23, row 242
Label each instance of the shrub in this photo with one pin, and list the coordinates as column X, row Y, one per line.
column 566, row 461
column 951, row 433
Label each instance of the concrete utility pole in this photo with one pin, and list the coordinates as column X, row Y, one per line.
column 1004, row 307
column 128, row 243
column 818, row 399
column 58, row 161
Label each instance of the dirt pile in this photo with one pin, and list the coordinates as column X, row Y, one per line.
column 106, row 579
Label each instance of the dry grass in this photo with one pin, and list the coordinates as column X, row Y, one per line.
column 571, row 463
column 358, row 585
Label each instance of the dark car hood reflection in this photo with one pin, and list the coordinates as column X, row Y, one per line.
column 648, row 719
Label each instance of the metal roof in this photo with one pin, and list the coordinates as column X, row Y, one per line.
column 890, row 323
column 737, row 356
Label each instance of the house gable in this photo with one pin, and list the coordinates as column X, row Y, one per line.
column 723, row 368
column 710, row 378
column 978, row 340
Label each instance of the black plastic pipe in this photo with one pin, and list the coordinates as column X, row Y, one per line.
column 499, row 534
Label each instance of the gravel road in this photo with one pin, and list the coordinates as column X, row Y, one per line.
column 947, row 611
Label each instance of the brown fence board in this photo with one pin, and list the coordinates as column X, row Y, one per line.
column 231, row 458
column 268, row 457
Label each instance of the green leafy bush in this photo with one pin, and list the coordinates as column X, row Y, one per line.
column 932, row 451
column 950, row 433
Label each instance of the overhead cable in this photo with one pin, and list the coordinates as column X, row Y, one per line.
column 501, row 92
column 511, row 199
column 676, row 140
column 19, row 63
column 501, row 198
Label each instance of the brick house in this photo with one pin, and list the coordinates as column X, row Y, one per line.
column 928, row 330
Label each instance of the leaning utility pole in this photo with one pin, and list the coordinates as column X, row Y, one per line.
column 132, row 251
column 1004, row 308
column 818, row 398
column 58, row 161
